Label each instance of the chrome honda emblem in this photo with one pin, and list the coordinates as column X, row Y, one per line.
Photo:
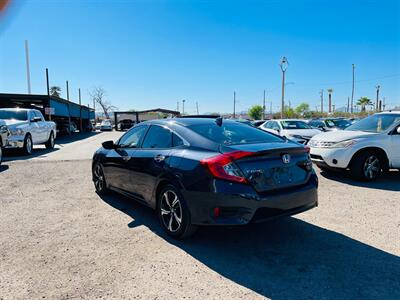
column 286, row 158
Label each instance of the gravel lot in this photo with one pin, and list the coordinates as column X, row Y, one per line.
column 60, row 240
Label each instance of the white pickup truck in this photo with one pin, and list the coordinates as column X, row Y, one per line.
column 27, row 127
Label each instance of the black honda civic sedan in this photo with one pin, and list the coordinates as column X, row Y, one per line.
column 202, row 171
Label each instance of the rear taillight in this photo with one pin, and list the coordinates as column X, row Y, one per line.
column 223, row 167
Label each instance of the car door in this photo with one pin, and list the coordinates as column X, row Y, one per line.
column 34, row 127
column 42, row 128
column 394, row 152
column 115, row 164
column 149, row 161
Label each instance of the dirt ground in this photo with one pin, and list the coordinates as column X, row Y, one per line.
column 60, row 240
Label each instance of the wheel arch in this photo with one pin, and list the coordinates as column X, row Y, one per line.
column 376, row 149
column 162, row 182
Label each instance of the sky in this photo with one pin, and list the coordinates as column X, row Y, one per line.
column 152, row 53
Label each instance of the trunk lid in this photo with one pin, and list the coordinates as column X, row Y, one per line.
column 273, row 166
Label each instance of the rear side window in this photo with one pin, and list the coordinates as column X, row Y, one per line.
column 158, row 137
column 132, row 138
column 231, row 133
column 176, row 141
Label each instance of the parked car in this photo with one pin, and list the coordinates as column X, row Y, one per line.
column 330, row 124
column 367, row 147
column 4, row 133
column 296, row 130
column 64, row 127
column 258, row 123
column 106, row 125
column 243, row 121
column 207, row 172
column 27, row 128
column 125, row 124
column 97, row 126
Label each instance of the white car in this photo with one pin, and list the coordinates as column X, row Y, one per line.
column 106, row 125
column 296, row 130
column 27, row 128
column 367, row 148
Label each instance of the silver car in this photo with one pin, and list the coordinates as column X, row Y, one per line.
column 4, row 133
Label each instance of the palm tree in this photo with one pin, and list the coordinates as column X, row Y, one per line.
column 55, row 91
column 363, row 102
column 330, row 91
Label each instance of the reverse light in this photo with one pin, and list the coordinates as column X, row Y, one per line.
column 222, row 166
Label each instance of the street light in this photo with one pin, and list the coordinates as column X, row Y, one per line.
column 284, row 64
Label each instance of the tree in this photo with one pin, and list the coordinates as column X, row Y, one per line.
column 302, row 108
column 363, row 102
column 255, row 112
column 98, row 95
column 55, row 91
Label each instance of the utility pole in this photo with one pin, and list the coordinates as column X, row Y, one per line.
column 263, row 116
column 352, row 90
column 234, row 105
column 333, row 107
column 284, row 64
column 183, row 106
column 322, row 100
column 177, row 105
column 28, row 72
column 270, row 109
column 377, row 98
column 197, row 107
column 384, row 103
column 47, row 82
column 80, row 110
column 348, row 104
column 330, row 100
column 67, row 91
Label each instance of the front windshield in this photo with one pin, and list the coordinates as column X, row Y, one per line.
column 341, row 123
column 376, row 123
column 295, row 125
column 231, row 133
column 20, row 115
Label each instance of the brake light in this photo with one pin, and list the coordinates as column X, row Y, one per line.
column 222, row 166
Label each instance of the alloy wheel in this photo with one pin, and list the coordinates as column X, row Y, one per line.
column 28, row 145
column 171, row 211
column 99, row 181
column 371, row 167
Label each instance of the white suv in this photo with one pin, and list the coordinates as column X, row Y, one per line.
column 367, row 147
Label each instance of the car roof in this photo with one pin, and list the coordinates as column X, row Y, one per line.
column 17, row 108
column 186, row 121
column 394, row 112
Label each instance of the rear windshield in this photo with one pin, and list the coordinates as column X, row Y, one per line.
column 13, row 115
column 234, row 133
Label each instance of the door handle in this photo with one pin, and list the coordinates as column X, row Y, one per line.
column 159, row 158
column 126, row 158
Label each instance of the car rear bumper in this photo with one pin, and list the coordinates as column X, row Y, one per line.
column 248, row 206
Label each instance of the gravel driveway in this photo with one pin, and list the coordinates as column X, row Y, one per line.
column 60, row 240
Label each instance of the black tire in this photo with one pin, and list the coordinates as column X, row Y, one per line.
column 99, row 179
column 28, row 145
column 171, row 207
column 367, row 166
column 1, row 153
column 50, row 143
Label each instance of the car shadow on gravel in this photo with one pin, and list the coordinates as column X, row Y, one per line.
column 3, row 168
column 284, row 259
column 390, row 181
column 41, row 151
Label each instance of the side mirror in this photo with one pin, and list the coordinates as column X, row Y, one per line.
column 109, row 145
column 36, row 119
